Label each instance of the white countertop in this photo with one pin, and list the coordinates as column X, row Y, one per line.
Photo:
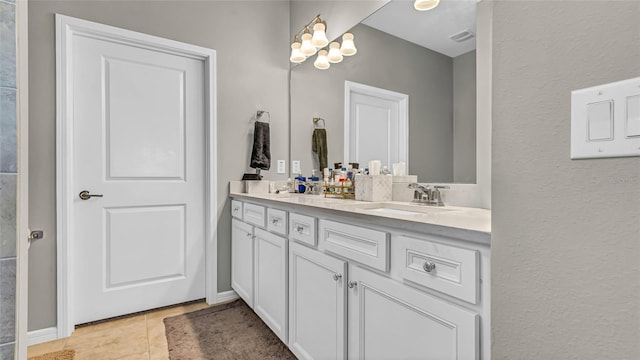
column 464, row 218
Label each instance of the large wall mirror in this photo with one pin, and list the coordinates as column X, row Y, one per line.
column 408, row 52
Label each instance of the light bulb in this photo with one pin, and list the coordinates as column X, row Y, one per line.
column 296, row 55
column 348, row 47
column 334, row 53
column 321, row 61
column 424, row 5
column 319, row 38
column 307, row 48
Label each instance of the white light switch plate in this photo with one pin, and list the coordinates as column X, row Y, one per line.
column 605, row 120
column 295, row 166
column 281, row 166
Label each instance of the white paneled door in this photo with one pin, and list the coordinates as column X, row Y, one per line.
column 376, row 125
column 138, row 178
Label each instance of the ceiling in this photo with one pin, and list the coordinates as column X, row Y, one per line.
column 431, row 29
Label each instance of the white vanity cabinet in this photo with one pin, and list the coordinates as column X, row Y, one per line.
column 344, row 286
column 317, row 304
column 259, row 266
column 242, row 260
column 388, row 320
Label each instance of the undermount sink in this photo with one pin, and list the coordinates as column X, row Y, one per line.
column 404, row 209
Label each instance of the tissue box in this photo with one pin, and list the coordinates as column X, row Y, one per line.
column 373, row 187
column 401, row 191
column 256, row 186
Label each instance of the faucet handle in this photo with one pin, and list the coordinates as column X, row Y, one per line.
column 441, row 187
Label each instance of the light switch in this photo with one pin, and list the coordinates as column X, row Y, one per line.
column 281, row 166
column 295, row 167
column 600, row 121
column 633, row 116
column 605, row 120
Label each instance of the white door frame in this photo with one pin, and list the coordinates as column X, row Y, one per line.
column 351, row 87
column 22, row 199
column 66, row 29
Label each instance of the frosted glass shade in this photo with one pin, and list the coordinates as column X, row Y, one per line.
column 334, row 56
column 348, row 47
column 296, row 55
column 424, row 5
column 322, row 62
column 307, row 48
column 319, row 38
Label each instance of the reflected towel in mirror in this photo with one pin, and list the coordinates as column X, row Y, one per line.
column 319, row 146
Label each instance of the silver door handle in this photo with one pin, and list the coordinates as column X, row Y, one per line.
column 351, row 284
column 86, row 195
column 337, row 277
column 429, row 266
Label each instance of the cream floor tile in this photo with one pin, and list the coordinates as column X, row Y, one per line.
column 47, row 347
column 111, row 343
column 142, row 356
column 109, row 324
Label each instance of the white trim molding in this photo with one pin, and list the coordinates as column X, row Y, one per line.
column 225, row 296
column 22, row 133
column 42, row 335
column 67, row 28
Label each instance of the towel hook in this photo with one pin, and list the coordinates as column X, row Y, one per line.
column 260, row 114
column 316, row 120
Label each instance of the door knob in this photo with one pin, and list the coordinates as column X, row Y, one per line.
column 86, row 195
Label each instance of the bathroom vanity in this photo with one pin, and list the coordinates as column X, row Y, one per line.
column 338, row 279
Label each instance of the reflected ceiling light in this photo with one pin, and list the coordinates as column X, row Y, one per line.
column 424, row 5
column 348, row 47
column 334, row 56
column 306, row 44
column 321, row 61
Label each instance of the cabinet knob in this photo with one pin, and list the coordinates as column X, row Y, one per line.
column 299, row 229
column 275, row 221
column 351, row 284
column 429, row 266
column 337, row 277
column 249, row 235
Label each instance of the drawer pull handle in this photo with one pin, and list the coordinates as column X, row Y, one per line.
column 337, row 277
column 351, row 284
column 275, row 221
column 299, row 229
column 249, row 235
column 429, row 266
column 235, row 210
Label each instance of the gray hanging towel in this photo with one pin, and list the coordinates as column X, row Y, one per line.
column 261, row 154
column 319, row 146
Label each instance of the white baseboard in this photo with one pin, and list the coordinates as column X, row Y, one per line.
column 226, row 296
column 42, row 335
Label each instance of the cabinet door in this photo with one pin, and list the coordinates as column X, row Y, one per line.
column 242, row 260
column 270, row 295
column 388, row 320
column 317, row 327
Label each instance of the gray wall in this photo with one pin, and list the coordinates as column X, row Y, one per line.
column 247, row 81
column 390, row 63
column 8, row 179
column 464, row 118
column 565, row 243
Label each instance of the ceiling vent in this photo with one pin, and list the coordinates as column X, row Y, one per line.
column 462, row 36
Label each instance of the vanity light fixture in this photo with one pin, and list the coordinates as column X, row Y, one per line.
column 306, row 44
column 424, row 5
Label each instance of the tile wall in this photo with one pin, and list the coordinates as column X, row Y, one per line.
column 8, row 177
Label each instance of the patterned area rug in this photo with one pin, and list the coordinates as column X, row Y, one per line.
column 68, row 354
column 225, row 332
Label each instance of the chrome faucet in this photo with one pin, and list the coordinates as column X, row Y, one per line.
column 427, row 195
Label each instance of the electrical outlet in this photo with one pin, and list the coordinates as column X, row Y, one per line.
column 281, row 166
column 295, row 166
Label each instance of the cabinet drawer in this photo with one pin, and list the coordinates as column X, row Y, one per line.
column 254, row 214
column 366, row 246
column 302, row 229
column 236, row 209
column 448, row 269
column 277, row 221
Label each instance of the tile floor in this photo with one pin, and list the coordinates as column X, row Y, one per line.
column 139, row 336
